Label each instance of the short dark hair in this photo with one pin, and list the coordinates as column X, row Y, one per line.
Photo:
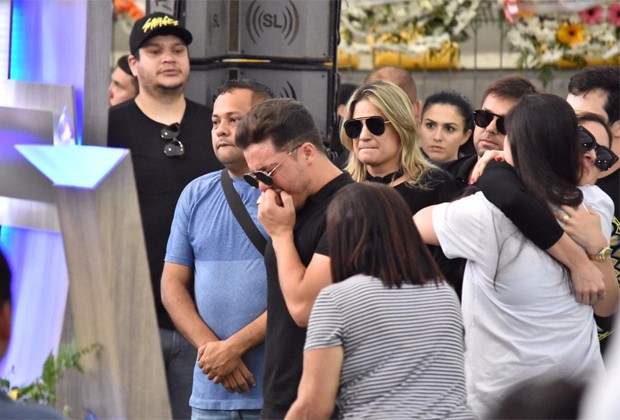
column 123, row 64
column 284, row 121
column 510, row 87
column 370, row 231
column 606, row 78
column 457, row 100
column 545, row 149
column 260, row 92
column 5, row 280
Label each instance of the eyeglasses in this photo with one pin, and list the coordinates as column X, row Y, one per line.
column 253, row 178
column 173, row 146
column 605, row 157
column 483, row 118
column 376, row 125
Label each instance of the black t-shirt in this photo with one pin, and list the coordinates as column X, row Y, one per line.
column 160, row 179
column 460, row 169
column 284, row 343
column 440, row 187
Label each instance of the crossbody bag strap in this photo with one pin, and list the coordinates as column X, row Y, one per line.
column 241, row 213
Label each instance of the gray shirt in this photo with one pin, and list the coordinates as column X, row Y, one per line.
column 403, row 348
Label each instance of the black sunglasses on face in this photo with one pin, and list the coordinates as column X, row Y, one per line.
column 253, row 178
column 173, row 146
column 376, row 125
column 483, row 118
column 605, row 157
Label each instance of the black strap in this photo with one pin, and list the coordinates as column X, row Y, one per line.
column 241, row 213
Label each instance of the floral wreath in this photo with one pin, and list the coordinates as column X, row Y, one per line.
column 590, row 36
column 412, row 27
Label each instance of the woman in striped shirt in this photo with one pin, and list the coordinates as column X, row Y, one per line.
column 386, row 340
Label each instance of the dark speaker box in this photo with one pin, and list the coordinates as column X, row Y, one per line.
column 280, row 30
column 313, row 86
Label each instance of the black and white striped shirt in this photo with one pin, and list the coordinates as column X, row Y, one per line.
column 403, row 348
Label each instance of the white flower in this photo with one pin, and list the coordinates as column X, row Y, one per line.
column 405, row 26
column 536, row 39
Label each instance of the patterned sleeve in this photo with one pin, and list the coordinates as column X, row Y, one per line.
column 325, row 326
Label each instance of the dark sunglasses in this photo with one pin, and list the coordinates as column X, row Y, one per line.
column 376, row 125
column 605, row 157
column 253, row 178
column 483, row 118
column 173, row 146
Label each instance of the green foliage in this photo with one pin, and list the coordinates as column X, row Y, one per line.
column 43, row 389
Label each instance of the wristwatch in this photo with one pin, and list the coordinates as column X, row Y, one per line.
column 603, row 255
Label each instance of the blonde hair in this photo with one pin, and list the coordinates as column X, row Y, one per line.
column 394, row 104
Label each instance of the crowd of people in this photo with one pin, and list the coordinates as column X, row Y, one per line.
column 428, row 260
column 431, row 261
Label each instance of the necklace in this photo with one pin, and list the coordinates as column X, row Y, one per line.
column 387, row 179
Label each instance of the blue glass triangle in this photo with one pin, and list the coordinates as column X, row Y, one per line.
column 73, row 166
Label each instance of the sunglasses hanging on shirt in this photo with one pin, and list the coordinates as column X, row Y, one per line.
column 173, row 146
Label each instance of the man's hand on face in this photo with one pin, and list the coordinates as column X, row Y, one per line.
column 276, row 212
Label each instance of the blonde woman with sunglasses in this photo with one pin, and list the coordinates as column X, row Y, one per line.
column 383, row 139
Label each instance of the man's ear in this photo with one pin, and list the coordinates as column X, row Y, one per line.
column 615, row 137
column 417, row 109
column 5, row 327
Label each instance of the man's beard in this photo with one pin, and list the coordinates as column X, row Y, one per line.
column 169, row 90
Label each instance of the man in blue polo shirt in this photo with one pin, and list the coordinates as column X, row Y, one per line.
column 209, row 251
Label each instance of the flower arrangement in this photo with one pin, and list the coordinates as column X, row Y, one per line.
column 410, row 27
column 590, row 36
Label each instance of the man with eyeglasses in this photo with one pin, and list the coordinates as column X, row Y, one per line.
column 209, row 251
column 287, row 160
column 168, row 136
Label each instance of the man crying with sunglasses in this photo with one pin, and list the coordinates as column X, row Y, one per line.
column 287, row 160
column 168, row 136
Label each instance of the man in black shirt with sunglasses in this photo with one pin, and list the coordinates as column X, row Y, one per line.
column 285, row 153
column 168, row 136
column 489, row 130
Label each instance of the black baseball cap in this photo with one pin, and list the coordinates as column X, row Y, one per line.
column 157, row 23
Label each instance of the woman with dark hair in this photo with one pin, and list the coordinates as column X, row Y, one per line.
column 521, row 318
column 447, row 122
column 386, row 340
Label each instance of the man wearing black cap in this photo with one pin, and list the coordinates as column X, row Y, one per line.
column 169, row 139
